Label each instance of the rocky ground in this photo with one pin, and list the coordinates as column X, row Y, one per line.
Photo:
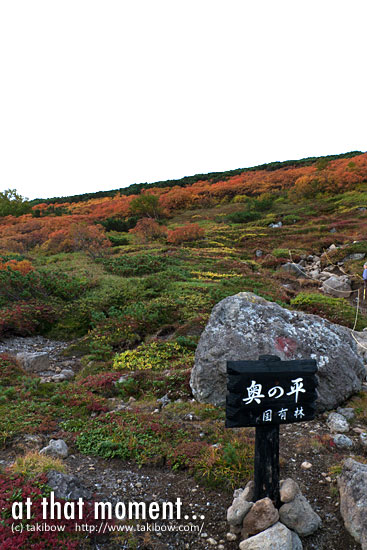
column 308, row 454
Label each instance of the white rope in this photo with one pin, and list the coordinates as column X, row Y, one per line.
column 324, row 283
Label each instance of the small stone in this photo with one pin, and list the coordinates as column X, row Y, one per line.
column 358, row 430
column 342, row 441
column 220, row 547
column 68, row 374
column 347, row 412
column 238, row 510
column 306, row 465
column 56, row 448
column 231, row 537
column 139, row 485
column 262, row 515
column 299, row 516
column 204, row 535
column 277, row 537
column 363, row 439
column 212, row 541
column 288, row 490
column 337, row 423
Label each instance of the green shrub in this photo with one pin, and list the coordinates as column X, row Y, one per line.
column 336, row 310
column 137, row 265
column 155, row 356
column 244, row 216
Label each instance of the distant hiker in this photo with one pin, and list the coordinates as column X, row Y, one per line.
column 364, row 275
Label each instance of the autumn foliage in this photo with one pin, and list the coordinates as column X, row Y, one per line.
column 186, row 233
column 74, row 226
column 148, row 229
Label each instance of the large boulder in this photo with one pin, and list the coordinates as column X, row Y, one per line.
column 352, row 484
column 244, row 326
column 34, row 362
column 338, row 286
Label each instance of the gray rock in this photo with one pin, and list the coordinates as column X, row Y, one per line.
column 288, row 490
column 339, row 287
column 352, row 484
column 245, row 326
column 347, row 412
column 337, row 423
column 353, row 257
column 33, row 362
column 278, row 224
column 342, row 441
column 164, row 400
column 277, row 537
column 299, row 516
column 67, row 486
column 258, row 253
column 293, row 268
column 363, row 439
column 262, row 515
column 68, row 374
column 237, row 511
column 332, row 230
column 56, row 448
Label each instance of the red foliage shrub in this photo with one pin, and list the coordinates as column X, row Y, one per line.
column 103, row 383
column 9, row 370
column 189, row 232
column 25, row 318
column 148, row 229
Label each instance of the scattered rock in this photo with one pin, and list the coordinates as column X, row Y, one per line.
column 67, row 486
column 164, row 400
column 68, row 374
column 342, row 441
column 337, row 423
column 231, row 537
column 288, row 490
column 278, row 224
column 347, row 412
column 277, row 537
column 353, row 257
column 306, row 465
column 238, row 510
column 258, row 253
column 245, row 326
column 299, row 516
column 338, row 286
column 33, row 362
column 212, row 541
column 56, row 448
column 27, row 442
column 262, row 515
column 290, row 267
column 352, row 484
column 363, row 439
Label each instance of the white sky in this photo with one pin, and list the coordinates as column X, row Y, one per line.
column 97, row 95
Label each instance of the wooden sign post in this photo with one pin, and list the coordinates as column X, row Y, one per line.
column 265, row 394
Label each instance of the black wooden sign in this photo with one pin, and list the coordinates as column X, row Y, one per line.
column 270, row 391
column 265, row 394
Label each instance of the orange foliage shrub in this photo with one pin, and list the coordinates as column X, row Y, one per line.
column 80, row 236
column 189, row 232
column 23, row 266
column 148, row 229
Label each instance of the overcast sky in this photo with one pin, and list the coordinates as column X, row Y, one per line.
column 97, row 95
